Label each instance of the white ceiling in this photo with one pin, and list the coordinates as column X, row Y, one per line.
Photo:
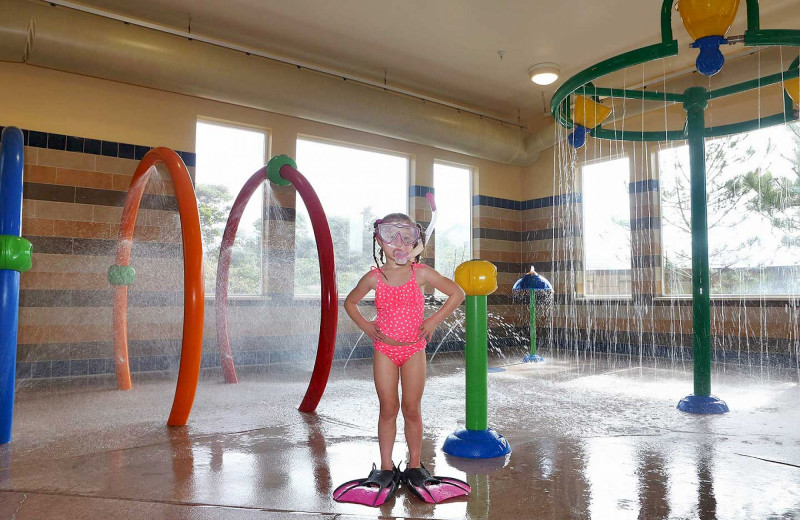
column 447, row 49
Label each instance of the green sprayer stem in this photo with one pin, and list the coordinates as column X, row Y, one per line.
column 477, row 361
column 532, row 292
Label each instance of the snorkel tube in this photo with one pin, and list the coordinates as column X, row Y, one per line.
column 429, row 230
column 428, row 233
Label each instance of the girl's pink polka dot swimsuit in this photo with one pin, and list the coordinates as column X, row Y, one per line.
column 401, row 310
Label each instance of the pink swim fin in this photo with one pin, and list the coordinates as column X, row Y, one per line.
column 374, row 491
column 434, row 489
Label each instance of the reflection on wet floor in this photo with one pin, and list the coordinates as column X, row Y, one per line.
column 596, row 439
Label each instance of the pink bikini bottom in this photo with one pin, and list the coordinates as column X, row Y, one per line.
column 399, row 355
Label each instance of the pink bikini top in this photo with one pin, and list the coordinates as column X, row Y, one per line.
column 401, row 309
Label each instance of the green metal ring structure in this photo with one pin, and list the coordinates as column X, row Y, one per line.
column 694, row 100
column 581, row 82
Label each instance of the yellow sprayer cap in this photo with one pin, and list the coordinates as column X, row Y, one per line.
column 589, row 113
column 707, row 17
column 477, row 277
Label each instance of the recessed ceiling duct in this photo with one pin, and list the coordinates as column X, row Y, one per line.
column 71, row 41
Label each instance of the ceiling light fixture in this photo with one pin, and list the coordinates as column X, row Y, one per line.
column 544, row 73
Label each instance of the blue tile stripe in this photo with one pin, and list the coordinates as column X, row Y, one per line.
column 521, row 205
column 417, row 190
column 645, row 223
column 643, row 186
column 71, row 143
column 496, row 202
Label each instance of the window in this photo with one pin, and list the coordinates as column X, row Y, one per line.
column 356, row 187
column 753, row 194
column 607, row 228
column 226, row 157
column 452, row 185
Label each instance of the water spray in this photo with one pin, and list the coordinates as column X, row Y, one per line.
column 533, row 282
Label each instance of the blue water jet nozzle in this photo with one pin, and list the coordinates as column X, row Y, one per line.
column 710, row 60
column 532, row 280
column 578, row 136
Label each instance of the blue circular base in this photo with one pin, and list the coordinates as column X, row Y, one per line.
column 533, row 358
column 495, row 369
column 702, row 404
column 476, row 444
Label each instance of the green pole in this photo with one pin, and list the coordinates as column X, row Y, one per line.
column 533, row 321
column 695, row 104
column 477, row 363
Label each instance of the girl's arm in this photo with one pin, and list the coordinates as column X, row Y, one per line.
column 370, row 328
column 455, row 295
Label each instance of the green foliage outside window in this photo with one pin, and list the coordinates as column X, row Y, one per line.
column 753, row 215
column 244, row 278
column 351, row 263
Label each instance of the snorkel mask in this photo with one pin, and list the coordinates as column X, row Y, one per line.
column 409, row 234
column 389, row 231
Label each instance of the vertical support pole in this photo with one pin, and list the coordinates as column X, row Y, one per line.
column 14, row 252
column 532, row 293
column 477, row 363
column 695, row 103
column 701, row 300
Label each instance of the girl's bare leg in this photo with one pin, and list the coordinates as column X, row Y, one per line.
column 386, row 376
column 412, row 375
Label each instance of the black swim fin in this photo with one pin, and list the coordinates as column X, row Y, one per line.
column 433, row 489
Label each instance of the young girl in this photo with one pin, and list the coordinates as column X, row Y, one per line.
column 400, row 333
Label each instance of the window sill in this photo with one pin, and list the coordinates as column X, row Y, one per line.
column 687, row 299
column 603, row 298
column 240, row 297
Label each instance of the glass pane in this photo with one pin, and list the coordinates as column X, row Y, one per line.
column 607, row 228
column 753, row 205
column 453, row 221
column 355, row 187
column 676, row 239
column 226, row 157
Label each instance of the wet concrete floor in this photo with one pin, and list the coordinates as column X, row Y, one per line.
column 591, row 439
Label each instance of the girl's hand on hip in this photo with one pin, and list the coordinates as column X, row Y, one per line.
column 427, row 328
column 375, row 333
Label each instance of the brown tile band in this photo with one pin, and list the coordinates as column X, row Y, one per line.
column 92, row 196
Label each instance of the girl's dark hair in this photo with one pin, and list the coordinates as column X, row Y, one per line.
column 392, row 217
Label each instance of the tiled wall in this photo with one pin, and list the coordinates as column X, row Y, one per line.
column 496, row 238
column 72, row 203
column 74, row 191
